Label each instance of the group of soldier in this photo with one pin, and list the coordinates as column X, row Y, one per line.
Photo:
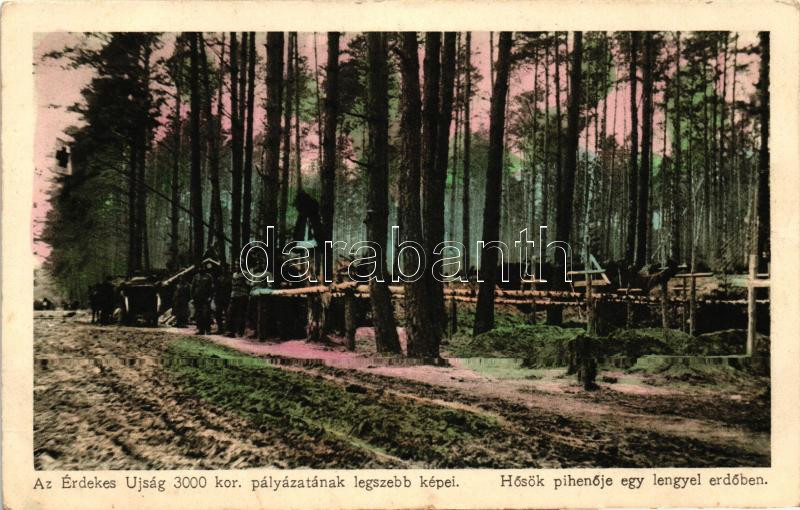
column 228, row 292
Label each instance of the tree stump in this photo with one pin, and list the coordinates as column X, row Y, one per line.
column 583, row 361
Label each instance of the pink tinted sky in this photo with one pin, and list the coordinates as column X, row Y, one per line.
column 57, row 88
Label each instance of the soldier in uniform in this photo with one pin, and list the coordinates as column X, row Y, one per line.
column 237, row 311
column 94, row 302
column 222, row 299
column 180, row 303
column 202, row 292
column 107, row 298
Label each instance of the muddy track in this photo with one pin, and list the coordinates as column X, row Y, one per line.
column 117, row 407
column 92, row 411
column 642, row 431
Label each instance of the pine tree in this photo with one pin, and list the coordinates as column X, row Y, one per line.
column 484, row 316
column 386, row 340
column 422, row 337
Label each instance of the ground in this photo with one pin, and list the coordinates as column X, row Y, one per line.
column 109, row 397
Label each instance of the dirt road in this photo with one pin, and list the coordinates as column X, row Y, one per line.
column 132, row 398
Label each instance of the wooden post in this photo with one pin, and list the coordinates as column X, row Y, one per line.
column 453, row 317
column 684, row 326
column 664, row 312
column 628, row 313
column 262, row 330
column 350, row 318
column 590, row 325
column 751, row 305
column 692, row 303
column 314, row 324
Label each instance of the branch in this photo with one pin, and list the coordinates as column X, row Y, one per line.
column 357, row 162
column 359, row 116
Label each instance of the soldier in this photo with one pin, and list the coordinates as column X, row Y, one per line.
column 222, row 299
column 180, row 303
column 202, row 291
column 95, row 302
column 237, row 312
column 211, row 252
column 107, row 300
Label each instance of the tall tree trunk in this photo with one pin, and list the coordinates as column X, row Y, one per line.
column 287, row 130
column 328, row 173
column 665, row 181
column 763, row 241
column 643, row 221
column 318, row 104
column 236, row 153
column 451, row 228
column 465, row 206
column 624, row 247
column 545, row 186
column 706, row 227
column 677, row 153
column 247, row 199
column 143, row 133
column 531, row 196
column 491, row 60
column 386, row 339
column 607, row 187
column 736, row 203
column 565, row 180
column 454, row 169
column 134, row 259
column 505, row 194
column 633, row 176
column 174, row 239
column 420, row 330
column 141, row 206
column 273, row 135
column 196, row 183
column 430, row 121
column 213, row 157
column 484, row 315
column 713, row 246
column 613, row 220
column 298, row 181
column 692, row 228
column 436, row 189
column 559, row 120
column 590, row 173
column 566, row 185
column 722, row 169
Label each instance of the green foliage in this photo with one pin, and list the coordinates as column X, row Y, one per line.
column 271, row 397
column 83, row 225
column 688, row 370
column 545, row 346
column 633, row 343
column 119, row 109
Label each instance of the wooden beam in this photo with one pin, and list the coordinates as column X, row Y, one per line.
column 590, row 271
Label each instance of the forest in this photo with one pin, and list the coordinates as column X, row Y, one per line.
column 634, row 147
